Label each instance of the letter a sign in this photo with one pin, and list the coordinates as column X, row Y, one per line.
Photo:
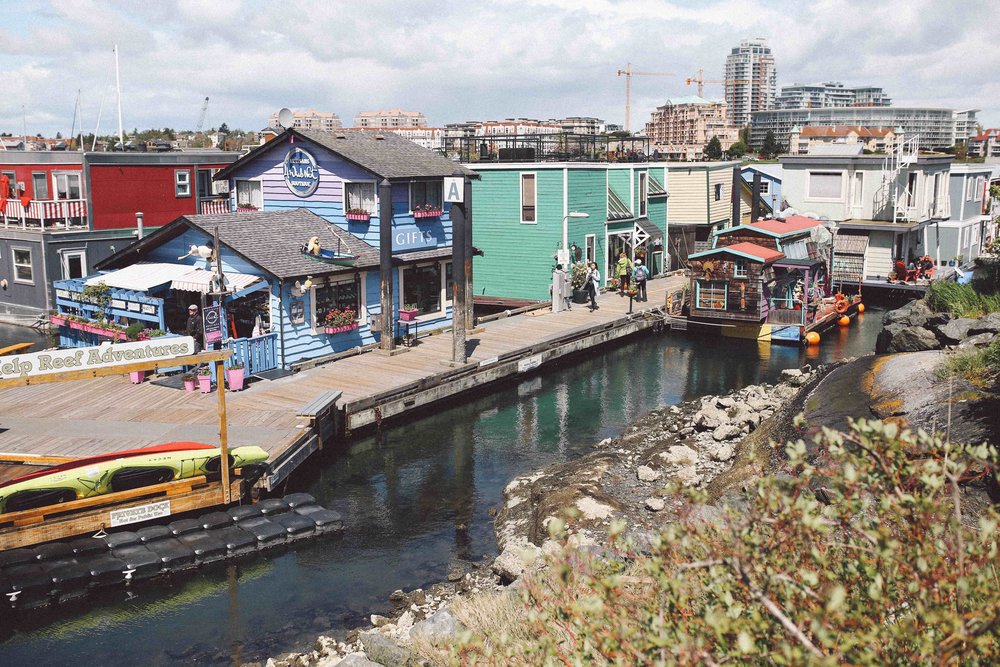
column 454, row 189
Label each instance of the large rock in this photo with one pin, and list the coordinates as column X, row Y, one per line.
column 989, row 324
column 913, row 339
column 726, row 432
column 514, row 560
column 913, row 314
column 979, row 340
column 722, row 451
column 384, row 651
column 953, row 332
column 687, row 475
column 680, row 455
column 885, row 336
column 647, row 474
column 440, row 629
column 357, row 660
column 709, row 417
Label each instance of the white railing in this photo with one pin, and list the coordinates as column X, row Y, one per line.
column 215, row 206
column 64, row 213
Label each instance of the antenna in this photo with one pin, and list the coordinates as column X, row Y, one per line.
column 285, row 118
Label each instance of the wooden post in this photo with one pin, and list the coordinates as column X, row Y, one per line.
column 459, row 280
column 220, row 373
column 470, row 315
column 387, row 342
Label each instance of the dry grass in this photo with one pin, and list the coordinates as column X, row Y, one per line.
column 495, row 617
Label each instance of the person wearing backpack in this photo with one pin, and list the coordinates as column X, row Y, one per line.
column 640, row 274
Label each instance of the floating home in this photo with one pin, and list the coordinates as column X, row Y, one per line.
column 299, row 253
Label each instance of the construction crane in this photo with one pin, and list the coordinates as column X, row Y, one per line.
column 628, row 73
column 701, row 82
column 201, row 118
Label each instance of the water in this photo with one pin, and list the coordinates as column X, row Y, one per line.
column 415, row 500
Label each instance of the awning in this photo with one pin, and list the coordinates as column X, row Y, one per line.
column 652, row 231
column 200, row 280
column 141, row 277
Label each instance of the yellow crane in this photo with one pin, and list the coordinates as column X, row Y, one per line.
column 628, row 74
column 701, row 81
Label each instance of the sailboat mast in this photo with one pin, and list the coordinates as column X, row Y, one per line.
column 118, row 86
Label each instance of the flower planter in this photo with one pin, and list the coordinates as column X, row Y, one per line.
column 408, row 315
column 137, row 376
column 95, row 329
column 580, row 296
column 57, row 320
column 341, row 328
column 359, row 217
column 235, row 377
column 189, row 385
column 205, row 383
column 427, row 214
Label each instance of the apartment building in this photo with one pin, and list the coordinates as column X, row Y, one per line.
column 985, row 144
column 326, row 121
column 392, row 118
column 751, row 80
column 830, row 94
column 683, row 126
column 804, row 140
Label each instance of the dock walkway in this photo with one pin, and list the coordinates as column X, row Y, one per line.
column 90, row 417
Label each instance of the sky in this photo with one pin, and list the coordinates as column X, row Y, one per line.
column 464, row 60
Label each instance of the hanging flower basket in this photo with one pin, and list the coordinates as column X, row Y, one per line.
column 428, row 213
column 341, row 328
column 359, row 217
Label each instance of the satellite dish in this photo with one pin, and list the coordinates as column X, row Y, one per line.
column 285, row 118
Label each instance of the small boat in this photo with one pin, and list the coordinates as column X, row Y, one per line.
column 313, row 250
column 16, row 347
column 120, row 473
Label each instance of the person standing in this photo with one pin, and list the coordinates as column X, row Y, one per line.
column 195, row 329
column 640, row 274
column 560, row 290
column 623, row 269
column 593, row 285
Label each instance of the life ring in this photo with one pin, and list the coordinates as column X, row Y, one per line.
column 841, row 306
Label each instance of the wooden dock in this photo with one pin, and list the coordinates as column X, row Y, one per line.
column 293, row 416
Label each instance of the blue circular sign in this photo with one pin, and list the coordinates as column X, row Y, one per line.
column 301, row 172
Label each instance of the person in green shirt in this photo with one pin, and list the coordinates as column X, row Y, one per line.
column 623, row 271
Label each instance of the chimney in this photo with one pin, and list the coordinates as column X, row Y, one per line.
column 138, row 224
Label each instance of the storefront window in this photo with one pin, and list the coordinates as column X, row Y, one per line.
column 341, row 295
column 422, row 287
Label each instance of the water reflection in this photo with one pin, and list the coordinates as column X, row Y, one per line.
column 417, row 497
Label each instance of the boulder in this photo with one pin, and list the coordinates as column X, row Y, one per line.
column 680, row 455
column 514, row 560
column 384, row 651
column 913, row 314
column 709, row 417
column 988, row 324
column 979, row 340
column 655, row 504
column 726, row 402
column 790, row 373
column 722, row 451
column 726, row 432
column 952, row 333
column 439, row 629
column 647, row 474
column 783, row 392
column 886, row 335
column 688, row 475
column 913, row 339
column 357, row 660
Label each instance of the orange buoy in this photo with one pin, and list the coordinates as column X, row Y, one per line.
column 844, row 321
column 812, row 338
column 861, row 307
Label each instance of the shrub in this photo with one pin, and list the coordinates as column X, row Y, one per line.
column 133, row 330
column 862, row 557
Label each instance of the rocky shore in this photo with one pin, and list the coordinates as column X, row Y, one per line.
column 716, row 443
column 916, row 328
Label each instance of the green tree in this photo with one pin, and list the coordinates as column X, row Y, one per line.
column 770, row 148
column 736, row 150
column 224, row 128
column 745, row 135
column 713, row 150
column 861, row 552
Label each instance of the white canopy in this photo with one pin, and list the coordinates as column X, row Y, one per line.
column 143, row 277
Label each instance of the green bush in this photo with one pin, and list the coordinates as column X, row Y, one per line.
column 960, row 300
column 978, row 367
column 865, row 557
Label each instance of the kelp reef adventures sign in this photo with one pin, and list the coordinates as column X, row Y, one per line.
column 102, row 356
column 301, row 172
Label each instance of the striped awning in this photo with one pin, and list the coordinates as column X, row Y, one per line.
column 199, row 280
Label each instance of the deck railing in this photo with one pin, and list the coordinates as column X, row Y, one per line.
column 257, row 354
column 214, row 206
column 46, row 214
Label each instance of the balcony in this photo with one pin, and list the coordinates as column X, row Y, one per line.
column 214, row 206
column 46, row 214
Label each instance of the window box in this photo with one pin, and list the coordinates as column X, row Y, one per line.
column 58, row 320
column 408, row 314
column 98, row 330
column 432, row 213
column 360, row 217
column 340, row 329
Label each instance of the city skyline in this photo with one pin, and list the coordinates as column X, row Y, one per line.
column 537, row 59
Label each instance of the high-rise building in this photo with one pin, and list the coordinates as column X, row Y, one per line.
column 830, row 94
column 390, row 119
column 751, row 80
column 311, row 120
column 683, row 126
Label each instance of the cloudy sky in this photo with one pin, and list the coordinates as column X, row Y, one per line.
column 462, row 60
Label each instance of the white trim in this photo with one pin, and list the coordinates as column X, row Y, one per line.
column 363, row 317
column 520, row 197
column 565, row 220
column 589, row 237
column 236, row 195
column 182, row 186
column 67, row 175
column 13, row 263
column 643, row 194
column 344, row 182
column 66, row 253
column 444, row 296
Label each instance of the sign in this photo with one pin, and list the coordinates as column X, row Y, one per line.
column 140, row 513
column 297, row 311
column 149, row 309
column 133, row 306
column 454, row 189
column 409, row 237
column 562, row 257
column 214, row 323
column 301, row 172
column 102, row 356
column 529, row 364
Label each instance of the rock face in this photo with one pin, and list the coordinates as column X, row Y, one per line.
column 954, row 331
column 913, row 314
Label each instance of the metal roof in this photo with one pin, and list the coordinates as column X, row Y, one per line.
column 617, row 209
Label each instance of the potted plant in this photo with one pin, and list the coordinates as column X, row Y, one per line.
column 359, row 214
column 205, row 379
column 339, row 320
column 189, row 382
column 136, row 377
column 426, row 211
column 408, row 313
column 235, row 375
column 578, row 280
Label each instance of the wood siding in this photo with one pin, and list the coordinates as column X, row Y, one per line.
column 745, row 298
column 878, row 261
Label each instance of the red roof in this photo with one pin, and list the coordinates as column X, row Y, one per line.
column 987, row 134
column 754, row 250
column 792, row 223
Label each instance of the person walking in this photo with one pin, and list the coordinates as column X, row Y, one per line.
column 195, row 329
column 623, row 269
column 640, row 274
column 593, row 285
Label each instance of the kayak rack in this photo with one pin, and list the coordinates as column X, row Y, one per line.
column 59, row 572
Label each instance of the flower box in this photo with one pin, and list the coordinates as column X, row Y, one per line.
column 341, row 328
column 96, row 329
column 236, row 376
column 58, row 320
column 136, row 377
column 408, row 314
column 436, row 213
column 360, row 217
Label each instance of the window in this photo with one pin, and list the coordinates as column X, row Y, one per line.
column 980, row 186
column 426, row 194
column 40, row 185
column 336, row 295
column 765, row 187
column 360, row 196
column 643, row 193
column 711, row 295
column 740, row 269
column 11, row 183
column 590, row 244
column 249, row 195
column 825, row 184
column 528, row 198
column 207, row 187
column 911, row 189
column 422, row 287
column 182, row 183
column 23, row 272
column 67, row 186
column 970, row 188
column 859, row 188
column 718, row 191
column 74, row 264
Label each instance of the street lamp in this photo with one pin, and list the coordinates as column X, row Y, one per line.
column 565, row 226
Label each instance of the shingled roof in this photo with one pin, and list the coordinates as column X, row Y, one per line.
column 384, row 153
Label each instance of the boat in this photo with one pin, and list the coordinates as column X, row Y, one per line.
column 16, row 347
column 120, row 471
column 313, row 250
